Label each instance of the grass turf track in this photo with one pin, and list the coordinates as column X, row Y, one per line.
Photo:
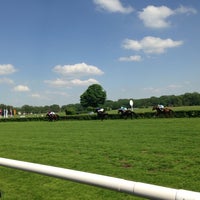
column 156, row 151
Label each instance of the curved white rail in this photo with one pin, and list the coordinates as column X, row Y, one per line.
column 135, row 188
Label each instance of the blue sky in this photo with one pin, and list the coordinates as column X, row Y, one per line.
column 52, row 50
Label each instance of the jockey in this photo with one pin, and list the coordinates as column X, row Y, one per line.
column 101, row 110
column 124, row 109
column 52, row 113
column 161, row 107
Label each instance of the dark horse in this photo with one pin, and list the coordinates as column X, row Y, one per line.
column 101, row 114
column 166, row 112
column 126, row 113
column 51, row 116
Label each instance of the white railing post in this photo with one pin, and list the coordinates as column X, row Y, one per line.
column 135, row 188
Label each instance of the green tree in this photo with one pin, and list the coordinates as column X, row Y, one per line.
column 94, row 96
column 54, row 108
column 26, row 109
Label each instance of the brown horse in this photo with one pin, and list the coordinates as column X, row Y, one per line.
column 101, row 114
column 166, row 112
column 126, row 113
column 52, row 116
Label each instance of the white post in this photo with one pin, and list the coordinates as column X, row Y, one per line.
column 131, row 104
column 135, row 188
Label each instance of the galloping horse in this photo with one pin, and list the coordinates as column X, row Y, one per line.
column 101, row 114
column 126, row 113
column 52, row 116
column 167, row 112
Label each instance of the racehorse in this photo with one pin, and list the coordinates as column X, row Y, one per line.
column 101, row 114
column 167, row 112
column 126, row 113
column 51, row 116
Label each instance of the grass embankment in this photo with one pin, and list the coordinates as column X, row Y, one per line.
column 156, row 151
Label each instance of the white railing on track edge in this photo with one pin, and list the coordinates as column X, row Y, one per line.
column 145, row 190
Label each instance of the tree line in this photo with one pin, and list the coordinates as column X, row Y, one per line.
column 187, row 99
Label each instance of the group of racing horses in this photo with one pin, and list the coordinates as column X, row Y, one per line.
column 125, row 113
column 102, row 114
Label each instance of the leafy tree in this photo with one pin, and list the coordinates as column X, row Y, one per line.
column 55, row 108
column 191, row 99
column 26, row 109
column 69, row 109
column 45, row 109
column 154, row 100
column 94, row 96
column 123, row 102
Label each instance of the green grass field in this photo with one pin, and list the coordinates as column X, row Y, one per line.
column 156, row 151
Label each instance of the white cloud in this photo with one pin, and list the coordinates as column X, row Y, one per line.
column 6, row 81
column 80, row 69
column 69, row 83
column 58, row 82
column 173, row 87
column 7, row 69
column 113, row 6
column 157, row 17
column 185, row 10
column 71, row 73
column 57, row 93
column 151, row 45
column 21, row 88
column 36, row 95
column 152, row 90
column 169, row 89
column 135, row 58
column 78, row 82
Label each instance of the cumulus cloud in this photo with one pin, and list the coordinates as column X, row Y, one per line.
column 113, row 6
column 58, row 82
column 160, row 90
column 151, row 45
column 70, row 75
column 135, row 58
column 80, row 69
column 7, row 69
column 6, row 81
column 185, row 10
column 79, row 82
column 21, row 88
column 69, row 83
column 35, row 95
column 157, row 17
column 57, row 93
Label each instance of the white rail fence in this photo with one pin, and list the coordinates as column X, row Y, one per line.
column 144, row 190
